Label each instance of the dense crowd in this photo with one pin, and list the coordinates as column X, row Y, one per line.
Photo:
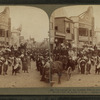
column 83, row 58
column 20, row 59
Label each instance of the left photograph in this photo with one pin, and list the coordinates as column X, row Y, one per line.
column 24, row 47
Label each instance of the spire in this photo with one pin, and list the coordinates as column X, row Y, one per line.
column 87, row 16
column 6, row 10
column 90, row 9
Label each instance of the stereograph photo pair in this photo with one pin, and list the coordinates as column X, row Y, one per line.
column 60, row 50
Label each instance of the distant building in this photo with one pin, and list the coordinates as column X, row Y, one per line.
column 15, row 37
column 21, row 40
column 45, row 43
column 5, row 27
column 84, row 28
column 31, row 43
column 96, row 38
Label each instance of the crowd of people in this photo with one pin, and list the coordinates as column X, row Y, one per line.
column 16, row 59
column 20, row 59
column 82, row 58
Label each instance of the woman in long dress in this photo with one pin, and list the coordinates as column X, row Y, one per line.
column 24, row 64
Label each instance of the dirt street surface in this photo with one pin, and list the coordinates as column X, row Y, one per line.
column 31, row 79
column 79, row 80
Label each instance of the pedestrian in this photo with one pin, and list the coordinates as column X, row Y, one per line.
column 29, row 61
column 46, row 69
column 1, row 66
column 24, row 64
column 5, row 67
column 82, row 65
column 88, row 66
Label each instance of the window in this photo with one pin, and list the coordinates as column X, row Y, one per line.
column 2, row 33
column 56, row 28
column 73, row 36
column 68, row 30
column 7, row 43
column 68, row 27
column 83, row 32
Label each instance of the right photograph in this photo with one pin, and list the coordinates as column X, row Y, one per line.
column 75, row 46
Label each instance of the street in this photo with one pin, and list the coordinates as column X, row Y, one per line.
column 32, row 79
column 22, row 80
column 79, row 80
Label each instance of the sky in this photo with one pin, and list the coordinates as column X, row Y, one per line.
column 34, row 21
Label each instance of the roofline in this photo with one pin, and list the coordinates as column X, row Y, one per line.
column 63, row 17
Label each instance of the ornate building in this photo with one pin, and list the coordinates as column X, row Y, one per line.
column 77, row 29
column 5, row 27
column 84, row 28
column 60, row 26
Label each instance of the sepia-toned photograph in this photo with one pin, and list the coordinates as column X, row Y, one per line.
column 24, row 41
column 61, row 50
column 75, row 46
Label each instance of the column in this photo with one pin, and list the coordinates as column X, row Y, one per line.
column 88, row 35
column 5, row 36
column 76, row 36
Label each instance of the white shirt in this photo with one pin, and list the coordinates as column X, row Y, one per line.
column 47, row 65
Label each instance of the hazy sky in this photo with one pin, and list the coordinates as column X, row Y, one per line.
column 35, row 22
column 78, row 9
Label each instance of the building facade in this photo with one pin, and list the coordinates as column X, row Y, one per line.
column 15, row 37
column 57, row 13
column 63, row 30
column 21, row 40
column 84, row 28
column 5, row 27
column 77, row 29
column 96, row 38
